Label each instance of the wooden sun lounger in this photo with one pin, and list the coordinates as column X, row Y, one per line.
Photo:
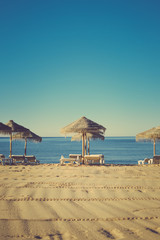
column 4, row 160
column 76, row 156
column 94, row 159
column 31, row 159
column 1, row 157
column 69, row 160
column 156, row 159
column 18, row 159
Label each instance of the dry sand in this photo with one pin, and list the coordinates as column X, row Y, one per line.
column 84, row 202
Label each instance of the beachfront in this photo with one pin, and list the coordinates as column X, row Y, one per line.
column 49, row 201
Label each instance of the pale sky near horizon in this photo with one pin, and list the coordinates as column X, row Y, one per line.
column 64, row 59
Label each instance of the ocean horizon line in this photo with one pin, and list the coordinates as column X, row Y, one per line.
column 71, row 136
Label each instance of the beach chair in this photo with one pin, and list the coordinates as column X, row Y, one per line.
column 69, row 160
column 31, row 159
column 1, row 157
column 4, row 160
column 94, row 159
column 146, row 160
column 18, row 159
column 76, row 156
column 156, row 159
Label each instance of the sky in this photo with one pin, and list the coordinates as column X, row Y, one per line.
column 64, row 59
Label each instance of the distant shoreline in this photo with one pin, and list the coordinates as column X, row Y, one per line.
column 70, row 137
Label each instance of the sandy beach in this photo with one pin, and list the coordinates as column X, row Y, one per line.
column 49, row 201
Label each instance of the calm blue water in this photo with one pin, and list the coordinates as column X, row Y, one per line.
column 116, row 150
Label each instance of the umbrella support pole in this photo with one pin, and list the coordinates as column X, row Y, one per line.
column 85, row 144
column 88, row 147
column 154, row 148
column 11, row 145
column 83, row 147
column 25, row 151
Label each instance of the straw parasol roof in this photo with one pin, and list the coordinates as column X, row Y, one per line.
column 27, row 136
column 83, row 125
column 151, row 134
column 4, row 129
column 16, row 127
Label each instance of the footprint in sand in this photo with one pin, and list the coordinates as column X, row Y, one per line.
column 37, row 237
column 85, row 191
column 106, row 233
column 130, row 232
column 153, row 231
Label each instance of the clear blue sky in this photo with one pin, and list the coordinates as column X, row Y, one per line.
column 63, row 59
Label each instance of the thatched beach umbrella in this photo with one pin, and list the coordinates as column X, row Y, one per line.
column 4, row 129
column 15, row 128
column 83, row 126
column 30, row 136
column 151, row 134
column 78, row 137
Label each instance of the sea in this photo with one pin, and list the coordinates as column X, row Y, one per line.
column 116, row 150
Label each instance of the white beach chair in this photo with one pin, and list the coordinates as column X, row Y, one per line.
column 146, row 160
column 70, row 160
column 94, row 159
column 154, row 160
column 150, row 161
